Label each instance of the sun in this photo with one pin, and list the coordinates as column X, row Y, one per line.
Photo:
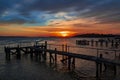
column 64, row 33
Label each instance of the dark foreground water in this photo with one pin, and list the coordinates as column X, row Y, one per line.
column 31, row 69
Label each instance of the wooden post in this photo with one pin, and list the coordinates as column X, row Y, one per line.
column 7, row 52
column 26, row 52
column 115, row 70
column 97, row 71
column 112, row 43
column 50, row 57
column 18, row 52
column 69, row 63
column 63, row 47
column 55, row 56
column 116, row 44
column 6, row 55
column 119, row 55
column 36, row 54
column 45, row 51
column 115, row 54
column 73, row 63
column 114, row 66
column 106, row 42
column 40, row 54
column 45, row 44
column 66, row 48
column 96, row 43
column 97, row 52
column 92, row 42
column 101, row 56
column 31, row 52
column 63, row 51
column 101, row 43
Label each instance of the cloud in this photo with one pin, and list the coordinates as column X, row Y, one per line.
column 104, row 11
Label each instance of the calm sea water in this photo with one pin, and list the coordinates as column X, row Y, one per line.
column 27, row 69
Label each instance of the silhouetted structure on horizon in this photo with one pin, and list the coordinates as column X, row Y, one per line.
column 97, row 35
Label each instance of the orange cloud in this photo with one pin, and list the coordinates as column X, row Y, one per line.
column 82, row 26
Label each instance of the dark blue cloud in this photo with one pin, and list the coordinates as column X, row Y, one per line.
column 104, row 11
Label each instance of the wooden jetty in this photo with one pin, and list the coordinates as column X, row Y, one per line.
column 101, row 42
column 41, row 51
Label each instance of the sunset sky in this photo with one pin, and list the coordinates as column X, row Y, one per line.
column 59, row 17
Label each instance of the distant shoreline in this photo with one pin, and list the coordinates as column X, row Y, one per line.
column 75, row 36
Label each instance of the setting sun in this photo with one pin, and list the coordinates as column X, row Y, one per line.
column 64, row 33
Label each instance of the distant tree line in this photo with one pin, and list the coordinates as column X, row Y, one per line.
column 96, row 35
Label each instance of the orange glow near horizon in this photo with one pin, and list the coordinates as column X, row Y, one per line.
column 57, row 31
column 65, row 33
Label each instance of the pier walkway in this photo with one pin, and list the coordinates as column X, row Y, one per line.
column 41, row 51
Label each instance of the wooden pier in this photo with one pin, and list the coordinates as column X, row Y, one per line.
column 40, row 52
column 101, row 42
